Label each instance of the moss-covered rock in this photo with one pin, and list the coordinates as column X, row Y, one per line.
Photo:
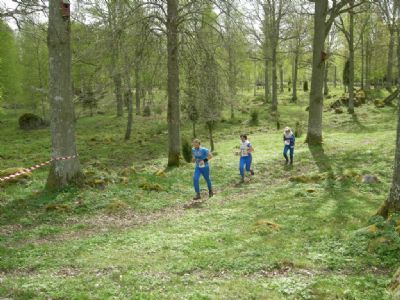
column 313, row 178
column 19, row 179
column 379, row 103
column 57, row 207
column 30, row 121
column 147, row 186
column 116, row 205
column 126, row 172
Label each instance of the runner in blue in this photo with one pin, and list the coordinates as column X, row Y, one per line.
column 201, row 156
column 289, row 142
column 245, row 160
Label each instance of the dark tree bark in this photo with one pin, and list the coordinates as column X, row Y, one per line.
column 129, row 99
column 281, row 78
column 62, row 172
column 174, row 140
column 335, row 76
column 326, row 87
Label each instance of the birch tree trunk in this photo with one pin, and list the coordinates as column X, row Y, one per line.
column 62, row 172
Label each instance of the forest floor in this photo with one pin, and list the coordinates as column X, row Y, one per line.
column 286, row 233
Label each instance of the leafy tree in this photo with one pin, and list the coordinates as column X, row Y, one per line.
column 10, row 82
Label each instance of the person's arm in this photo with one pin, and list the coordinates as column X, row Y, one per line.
column 294, row 140
column 193, row 160
column 250, row 149
column 209, row 156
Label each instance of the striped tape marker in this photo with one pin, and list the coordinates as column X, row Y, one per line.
column 29, row 170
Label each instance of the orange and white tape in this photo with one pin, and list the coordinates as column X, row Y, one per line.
column 29, row 170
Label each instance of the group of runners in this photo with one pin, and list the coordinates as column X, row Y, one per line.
column 201, row 157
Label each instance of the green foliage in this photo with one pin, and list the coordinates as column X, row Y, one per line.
column 254, row 118
column 187, row 150
column 10, row 82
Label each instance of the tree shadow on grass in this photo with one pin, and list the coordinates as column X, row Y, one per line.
column 358, row 123
column 321, row 159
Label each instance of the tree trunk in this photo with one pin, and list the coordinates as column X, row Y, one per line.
column 326, row 88
column 266, row 81
column 129, row 99
column 314, row 133
column 335, row 76
column 281, row 78
column 389, row 68
column 392, row 203
column 295, row 69
column 255, row 78
column 351, row 60
column 362, row 60
column 367, row 65
column 137, row 90
column 62, row 172
column 231, row 64
column 118, row 93
column 174, row 140
column 210, row 132
column 194, row 129
column 274, row 104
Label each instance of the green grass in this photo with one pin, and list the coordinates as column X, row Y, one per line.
column 122, row 242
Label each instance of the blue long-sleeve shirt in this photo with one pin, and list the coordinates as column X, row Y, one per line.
column 289, row 139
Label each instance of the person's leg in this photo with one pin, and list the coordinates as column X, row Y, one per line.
column 241, row 167
column 247, row 161
column 285, row 150
column 206, row 174
column 291, row 155
column 250, row 163
column 196, row 178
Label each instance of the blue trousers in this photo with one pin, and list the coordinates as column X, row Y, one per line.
column 196, row 177
column 244, row 161
column 291, row 151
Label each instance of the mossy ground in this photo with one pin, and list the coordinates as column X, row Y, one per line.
column 270, row 238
